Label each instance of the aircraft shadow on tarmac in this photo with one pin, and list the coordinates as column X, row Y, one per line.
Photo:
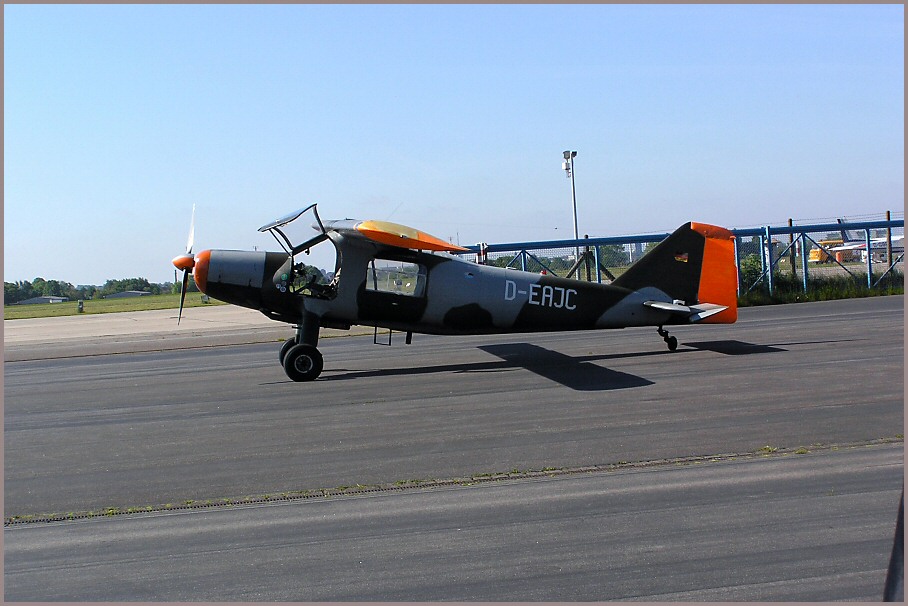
column 734, row 348
column 578, row 373
column 740, row 348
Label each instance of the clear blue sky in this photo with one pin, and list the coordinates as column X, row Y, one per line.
column 451, row 119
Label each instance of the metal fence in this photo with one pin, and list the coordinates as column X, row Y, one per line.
column 764, row 255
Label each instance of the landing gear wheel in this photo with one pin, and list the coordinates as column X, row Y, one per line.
column 285, row 348
column 671, row 341
column 303, row 362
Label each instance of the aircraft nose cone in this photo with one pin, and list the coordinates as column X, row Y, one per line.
column 200, row 270
column 184, row 262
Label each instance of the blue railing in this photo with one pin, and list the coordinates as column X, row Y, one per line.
column 600, row 256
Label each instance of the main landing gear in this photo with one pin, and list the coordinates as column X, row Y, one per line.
column 672, row 342
column 301, row 359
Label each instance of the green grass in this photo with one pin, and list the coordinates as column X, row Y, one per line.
column 103, row 306
column 787, row 289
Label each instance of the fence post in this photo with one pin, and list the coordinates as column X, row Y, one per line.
column 869, row 258
column 762, row 256
column 586, row 258
column 769, row 259
column 791, row 254
column 803, row 237
column 596, row 260
column 888, row 239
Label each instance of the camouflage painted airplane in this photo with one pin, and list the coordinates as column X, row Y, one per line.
column 395, row 277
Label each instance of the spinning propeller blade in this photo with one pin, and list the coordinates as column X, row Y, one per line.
column 191, row 238
column 186, row 262
column 183, row 294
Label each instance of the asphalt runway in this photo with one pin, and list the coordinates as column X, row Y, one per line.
column 815, row 527
column 148, row 429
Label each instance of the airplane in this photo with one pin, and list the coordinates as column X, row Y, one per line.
column 877, row 247
column 395, row 277
column 847, row 248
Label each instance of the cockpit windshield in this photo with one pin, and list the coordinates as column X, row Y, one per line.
column 293, row 235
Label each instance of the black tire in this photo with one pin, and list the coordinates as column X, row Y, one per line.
column 285, row 348
column 672, row 343
column 303, row 362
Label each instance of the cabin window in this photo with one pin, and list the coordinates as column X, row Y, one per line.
column 396, row 277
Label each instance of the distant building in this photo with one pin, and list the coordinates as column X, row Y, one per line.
column 127, row 294
column 43, row 300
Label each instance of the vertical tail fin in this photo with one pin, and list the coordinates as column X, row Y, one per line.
column 695, row 264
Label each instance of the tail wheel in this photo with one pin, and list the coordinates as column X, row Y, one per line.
column 303, row 362
column 671, row 341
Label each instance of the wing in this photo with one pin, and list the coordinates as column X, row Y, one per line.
column 391, row 234
column 848, row 247
column 896, row 240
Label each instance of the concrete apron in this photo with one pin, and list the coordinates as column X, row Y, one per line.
column 144, row 331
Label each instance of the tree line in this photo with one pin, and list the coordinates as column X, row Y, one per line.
column 13, row 292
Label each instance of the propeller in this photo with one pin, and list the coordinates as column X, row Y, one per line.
column 186, row 262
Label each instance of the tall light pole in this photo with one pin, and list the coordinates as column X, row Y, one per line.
column 568, row 166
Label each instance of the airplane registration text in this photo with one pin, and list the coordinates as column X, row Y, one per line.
column 543, row 295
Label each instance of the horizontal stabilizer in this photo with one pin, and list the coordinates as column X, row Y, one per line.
column 681, row 310
column 705, row 310
column 694, row 313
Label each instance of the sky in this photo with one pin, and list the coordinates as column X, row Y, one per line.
column 448, row 118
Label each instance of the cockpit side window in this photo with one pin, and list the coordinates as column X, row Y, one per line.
column 396, row 277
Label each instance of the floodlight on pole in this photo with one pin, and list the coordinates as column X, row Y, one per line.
column 568, row 166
